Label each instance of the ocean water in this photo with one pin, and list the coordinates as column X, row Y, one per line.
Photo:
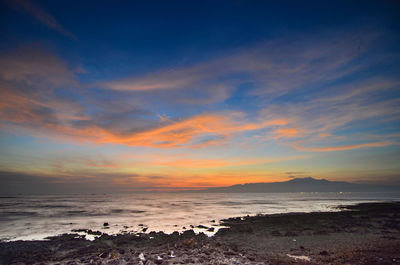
column 36, row 217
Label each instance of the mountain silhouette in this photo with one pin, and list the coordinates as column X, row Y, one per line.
column 304, row 185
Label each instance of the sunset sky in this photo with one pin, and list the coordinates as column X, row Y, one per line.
column 160, row 95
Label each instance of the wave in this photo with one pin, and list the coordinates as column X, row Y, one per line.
column 50, row 206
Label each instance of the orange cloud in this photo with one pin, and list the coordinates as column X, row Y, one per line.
column 323, row 135
column 176, row 134
column 184, row 132
column 286, row 132
column 344, row 147
column 211, row 163
column 193, row 181
column 198, row 131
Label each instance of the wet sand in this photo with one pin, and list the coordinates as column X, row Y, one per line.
column 367, row 233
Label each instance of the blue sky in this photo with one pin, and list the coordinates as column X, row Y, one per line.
column 179, row 94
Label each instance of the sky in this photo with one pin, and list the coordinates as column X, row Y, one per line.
column 117, row 96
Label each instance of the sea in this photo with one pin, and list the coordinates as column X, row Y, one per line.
column 35, row 217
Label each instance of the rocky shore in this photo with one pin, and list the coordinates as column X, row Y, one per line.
column 366, row 233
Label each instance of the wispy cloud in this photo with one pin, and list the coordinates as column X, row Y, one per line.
column 344, row 147
column 322, row 121
column 274, row 68
column 40, row 14
column 31, row 79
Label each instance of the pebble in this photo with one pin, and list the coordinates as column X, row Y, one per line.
column 141, row 257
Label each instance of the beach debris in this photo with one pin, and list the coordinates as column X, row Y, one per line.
column 144, row 229
column 211, row 229
column 141, row 257
column 202, row 227
column 295, row 257
column 171, row 254
column 294, row 240
column 103, row 255
column 106, row 224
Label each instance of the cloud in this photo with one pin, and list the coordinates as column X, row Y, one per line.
column 31, row 183
column 34, row 84
column 185, row 161
column 286, row 132
column 40, row 14
column 274, row 68
column 345, row 112
column 77, row 182
column 30, row 77
column 35, row 66
column 176, row 133
column 344, row 147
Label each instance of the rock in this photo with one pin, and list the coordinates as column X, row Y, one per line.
column 202, row 226
column 106, row 224
column 229, row 253
column 191, row 242
column 144, row 229
column 188, row 233
column 324, row 253
column 141, row 257
column 290, row 233
column 251, row 258
column 159, row 260
column 211, row 229
column 276, row 233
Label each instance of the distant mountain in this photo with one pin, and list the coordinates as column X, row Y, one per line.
column 304, row 185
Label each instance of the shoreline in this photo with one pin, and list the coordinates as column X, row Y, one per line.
column 366, row 233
